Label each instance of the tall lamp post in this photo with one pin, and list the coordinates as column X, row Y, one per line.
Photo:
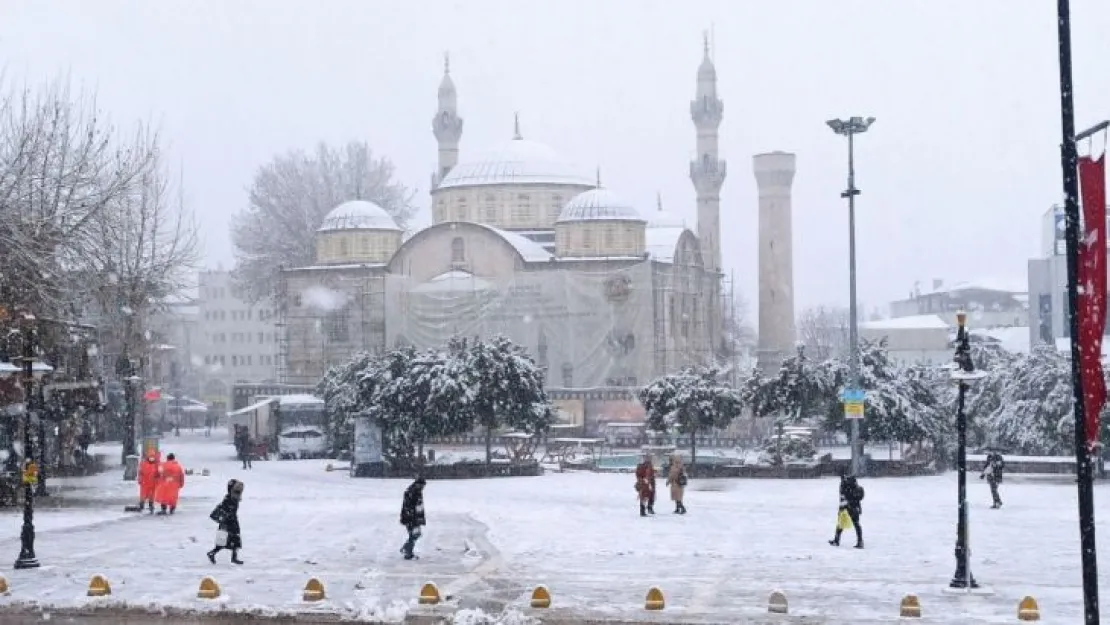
column 850, row 128
column 27, row 558
column 963, row 373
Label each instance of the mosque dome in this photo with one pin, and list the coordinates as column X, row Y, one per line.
column 358, row 215
column 518, row 161
column 599, row 205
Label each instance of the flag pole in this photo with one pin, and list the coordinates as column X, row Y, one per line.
column 1069, row 164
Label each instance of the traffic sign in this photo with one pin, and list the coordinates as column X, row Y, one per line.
column 853, row 410
column 853, row 395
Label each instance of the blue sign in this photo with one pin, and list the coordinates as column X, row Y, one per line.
column 853, row 396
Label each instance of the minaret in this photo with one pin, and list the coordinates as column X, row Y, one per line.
column 774, row 176
column 446, row 125
column 707, row 170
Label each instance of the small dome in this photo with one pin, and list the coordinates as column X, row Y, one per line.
column 597, row 205
column 358, row 215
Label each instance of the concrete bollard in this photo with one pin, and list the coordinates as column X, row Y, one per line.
column 209, row 589
column 776, row 604
column 314, row 590
column 910, row 607
column 541, row 598
column 429, row 594
column 1028, row 610
column 654, row 600
column 99, row 586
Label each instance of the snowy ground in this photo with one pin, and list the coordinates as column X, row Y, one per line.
column 489, row 542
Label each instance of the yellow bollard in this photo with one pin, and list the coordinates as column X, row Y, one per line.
column 209, row 589
column 541, row 598
column 4, row 590
column 654, row 600
column 910, row 608
column 99, row 587
column 429, row 594
column 314, row 590
column 1028, row 610
column 776, row 604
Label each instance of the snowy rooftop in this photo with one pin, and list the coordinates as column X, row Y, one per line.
column 528, row 249
column 599, row 205
column 453, row 282
column 518, row 161
column 999, row 286
column 661, row 242
column 915, row 322
column 358, row 215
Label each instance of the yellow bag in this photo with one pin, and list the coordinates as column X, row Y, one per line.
column 843, row 521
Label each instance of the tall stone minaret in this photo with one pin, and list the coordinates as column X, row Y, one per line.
column 707, row 170
column 446, row 125
column 774, row 176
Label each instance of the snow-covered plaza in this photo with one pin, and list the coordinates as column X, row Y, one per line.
column 489, row 542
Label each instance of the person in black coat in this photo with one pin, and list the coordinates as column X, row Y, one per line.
column 227, row 516
column 851, row 501
column 412, row 515
column 992, row 471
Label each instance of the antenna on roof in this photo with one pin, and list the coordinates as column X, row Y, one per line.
column 599, row 176
column 516, row 127
column 705, row 42
column 446, row 63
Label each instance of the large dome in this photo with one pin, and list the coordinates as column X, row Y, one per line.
column 358, row 215
column 599, row 205
column 518, row 161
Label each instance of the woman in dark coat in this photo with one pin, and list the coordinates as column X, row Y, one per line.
column 227, row 516
column 851, row 502
column 412, row 515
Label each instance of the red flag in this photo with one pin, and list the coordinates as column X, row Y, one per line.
column 1092, row 291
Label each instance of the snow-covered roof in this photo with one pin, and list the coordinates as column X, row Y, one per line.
column 1000, row 286
column 661, row 243
column 518, row 161
column 358, row 215
column 251, row 408
column 299, row 399
column 528, row 249
column 915, row 322
column 597, row 205
column 1014, row 340
column 453, row 282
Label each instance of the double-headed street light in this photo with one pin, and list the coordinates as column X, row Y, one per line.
column 850, row 128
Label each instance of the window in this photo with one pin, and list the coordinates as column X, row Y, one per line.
column 344, row 247
column 234, row 361
column 249, row 358
column 587, row 239
column 366, row 244
column 336, row 326
column 261, row 337
column 458, row 250
column 207, row 360
column 610, row 239
column 297, row 300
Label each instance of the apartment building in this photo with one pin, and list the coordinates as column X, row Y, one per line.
column 239, row 339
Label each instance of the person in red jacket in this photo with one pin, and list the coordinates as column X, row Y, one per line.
column 170, row 484
column 645, row 485
column 148, row 482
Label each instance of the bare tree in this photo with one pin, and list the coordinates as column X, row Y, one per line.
column 289, row 199
column 824, row 331
column 60, row 168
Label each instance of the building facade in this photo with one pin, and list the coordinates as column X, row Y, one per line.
column 526, row 245
column 987, row 305
column 238, row 340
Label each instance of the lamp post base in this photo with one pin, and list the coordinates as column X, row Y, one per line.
column 963, row 578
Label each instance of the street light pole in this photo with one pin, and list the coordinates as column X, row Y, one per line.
column 27, row 558
column 964, row 373
column 850, row 128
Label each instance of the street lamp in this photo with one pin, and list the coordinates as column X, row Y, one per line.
column 850, row 128
column 963, row 373
column 27, row 558
column 39, row 369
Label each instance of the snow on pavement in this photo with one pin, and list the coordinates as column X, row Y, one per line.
column 489, row 542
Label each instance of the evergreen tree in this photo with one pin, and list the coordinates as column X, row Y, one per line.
column 692, row 401
column 1035, row 415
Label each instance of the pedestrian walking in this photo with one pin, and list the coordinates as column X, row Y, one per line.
column 676, row 479
column 412, row 516
column 226, row 515
column 149, row 473
column 851, row 507
column 645, row 485
column 170, row 482
column 992, row 471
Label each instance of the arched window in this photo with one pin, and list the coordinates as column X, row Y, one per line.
column 458, row 250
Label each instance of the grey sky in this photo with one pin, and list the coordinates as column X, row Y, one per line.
column 956, row 172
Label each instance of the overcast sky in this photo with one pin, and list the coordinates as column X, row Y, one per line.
column 956, row 172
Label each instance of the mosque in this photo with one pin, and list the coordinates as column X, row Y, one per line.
column 605, row 296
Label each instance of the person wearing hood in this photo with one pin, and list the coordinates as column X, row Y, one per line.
column 676, row 479
column 851, row 506
column 412, row 515
column 226, row 515
column 170, row 483
column 992, row 471
column 148, row 481
column 645, row 485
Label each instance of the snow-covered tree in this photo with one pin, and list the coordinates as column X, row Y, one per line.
column 757, row 393
column 505, row 389
column 347, row 390
column 692, row 401
column 1034, row 415
column 290, row 197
